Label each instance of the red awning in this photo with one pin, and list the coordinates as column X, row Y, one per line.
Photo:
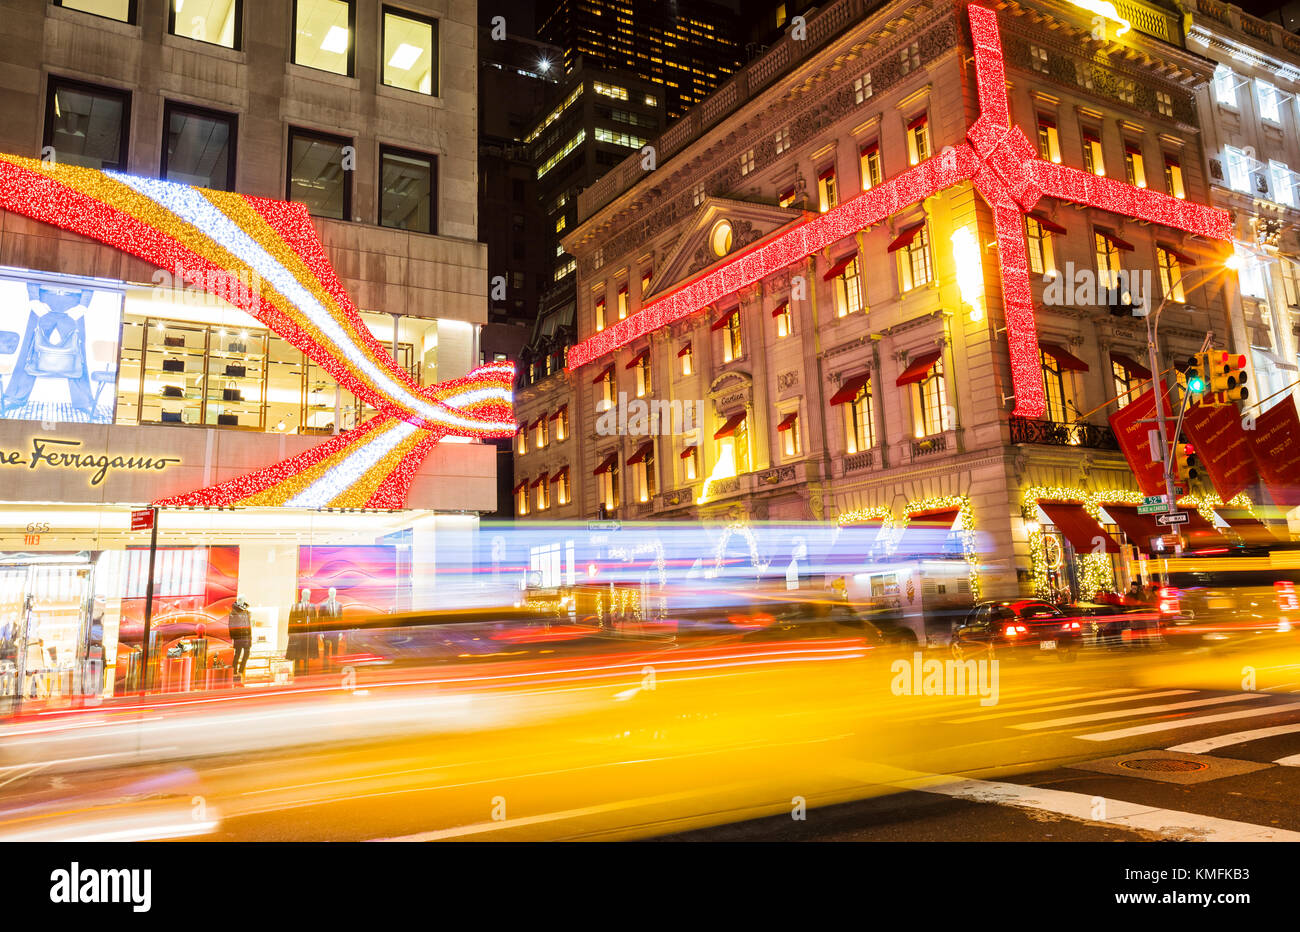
column 729, row 428
column 919, row 368
column 1116, row 241
column 521, row 486
column 1131, row 365
column 918, row 121
column 646, row 449
column 688, row 452
column 562, row 409
column 780, row 309
column 940, row 518
column 540, row 480
column 869, row 148
column 840, row 265
column 608, row 370
column 1138, row 528
column 722, row 321
column 788, row 421
column 1064, row 357
column 905, row 238
column 1250, row 529
column 849, row 390
column 684, row 351
column 1182, row 259
column 826, row 173
column 1080, row 528
column 1046, row 224
column 562, row 474
column 606, row 464
column 644, row 354
column 1201, row 533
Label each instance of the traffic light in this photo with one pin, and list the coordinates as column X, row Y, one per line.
column 1194, row 377
column 1189, row 464
column 1228, row 376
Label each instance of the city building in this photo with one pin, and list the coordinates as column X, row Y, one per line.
column 686, row 47
column 814, row 269
column 1250, row 118
column 125, row 383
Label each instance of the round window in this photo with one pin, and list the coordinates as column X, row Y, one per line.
column 720, row 238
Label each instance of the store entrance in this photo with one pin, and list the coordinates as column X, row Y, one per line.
column 46, row 631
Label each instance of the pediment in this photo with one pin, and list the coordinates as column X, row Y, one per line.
column 694, row 252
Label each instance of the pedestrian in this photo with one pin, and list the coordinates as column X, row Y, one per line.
column 1135, row 594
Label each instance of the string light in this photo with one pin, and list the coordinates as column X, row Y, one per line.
column 1008, row 174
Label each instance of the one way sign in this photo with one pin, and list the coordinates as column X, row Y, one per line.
column 1174, row 517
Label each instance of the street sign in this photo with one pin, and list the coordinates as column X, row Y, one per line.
column 1174, row 517
column 1157, row 508
column 1155, row 500
column 142, row 519
column 603, row 525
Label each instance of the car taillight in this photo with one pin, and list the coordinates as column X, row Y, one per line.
column 1014, row 630
column 1071, row 626
column 1168, row 600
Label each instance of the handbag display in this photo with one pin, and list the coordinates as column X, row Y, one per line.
column 174, row 341
column 237, row 371
column 172, row 391
column 228, row 420
column 171, row 417
column 231, row 394
column 56, row 360
column 173, row 365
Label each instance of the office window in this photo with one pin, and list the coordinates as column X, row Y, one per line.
column 827, row 195
column 869, row 163
column 1270, row 104
column 1282, row 183
column 929, row 403
column 216, row 21
column 317, row 176
column 410, row 52
column 1049, row 140
column 918, row 140
column 1238, row 168
column 1054, row 384
column 1042, row 257
column 914, row 265
column 859, row 431
column 848, row 290
column 1108, row 264
column 87, row 125
column 1174, row 178
column 121, row 10
column 323, row 34
column 408, row 190
column 600, row 314
column 199, row 148
column 1092, row 157
column 784, row 323
column 862, row 88
column 1134, row 168
column 1171, row 274
column 1225, row 86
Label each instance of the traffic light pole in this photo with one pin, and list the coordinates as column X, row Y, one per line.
column 1157, row 386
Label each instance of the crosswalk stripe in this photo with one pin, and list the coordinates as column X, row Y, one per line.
column 999, row 713
column 1144, row 710
column 1237, row 737
column 1292, row 761
column 1188, row 722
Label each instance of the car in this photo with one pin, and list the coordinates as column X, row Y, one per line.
column 1017, row 627
column 1107, row 624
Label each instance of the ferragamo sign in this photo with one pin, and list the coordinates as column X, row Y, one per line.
column 51, row 453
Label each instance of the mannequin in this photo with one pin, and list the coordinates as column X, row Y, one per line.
column 331, row 614
column 302, row 634
column 241, row 635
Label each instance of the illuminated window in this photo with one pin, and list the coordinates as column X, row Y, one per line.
column 1124, row 382
column 1174, row 178
column 747, row 162
column 1282, row 183
column 200, row 147
column 410, row 52
column 600, row 314
column 827, row 195
column 1171, row 274
column 788, row 428
column 1134, row 168
column 697, row 194
column 784, row 323
column 1038, row 58
column 323, row 34
column 1054, row 383
column 914, row 265
column 563, row 494
column 1250, row 274
column 1225, row 86
column 561, row 419
column 560, row 156
column 862, row 88
column 408, row 190
column 543, row 493
column 320, row 173
column 1049, row 140
column 522, row 446
column 521, row 498
column 1108, row 264
column 218, row 23
column 1092, row 158
column 1164, row 104
column 561, row 223
column 87, row 125
column 684, row 354
column 609, row 484
column 691, row 463
column 1238, row 168
column 643, row 463
column 609, row 90
column 608, row 390
column 786, row 197
column 1270, row 104
column 732, row 347
column 644, row 385
column 622, row 302
column 909, row 58
column 859, row 429
column 1289, row 269
column 720, row 239
column 542, row 432
column 918, row 140
column 782, row 139
column 121, row 10
column 1042, row 258
column 929, row 403
column 848, row 290
column 869, row 163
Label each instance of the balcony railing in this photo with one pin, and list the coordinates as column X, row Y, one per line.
column 1056, row 434
column 936, row 444
column 857, row 461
